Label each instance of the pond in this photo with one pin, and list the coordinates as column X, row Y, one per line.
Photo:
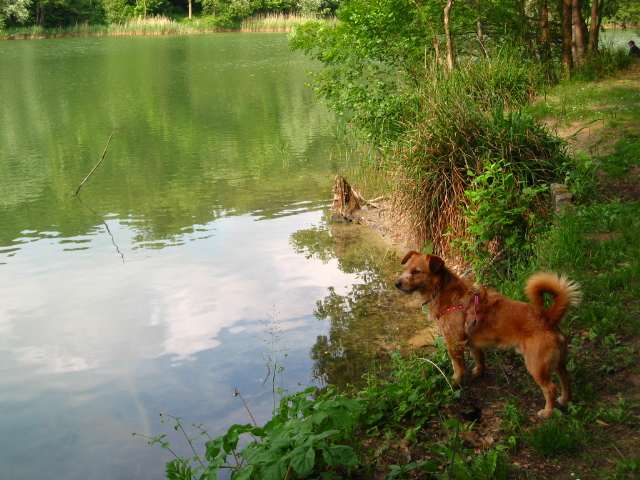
column 197, row 259
column 618, row 37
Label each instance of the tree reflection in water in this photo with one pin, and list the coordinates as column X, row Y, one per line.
column 373, row 319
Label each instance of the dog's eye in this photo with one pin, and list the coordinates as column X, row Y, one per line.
column 415, row 272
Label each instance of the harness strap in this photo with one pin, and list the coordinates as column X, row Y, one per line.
column 458, row 307
column 476, row 302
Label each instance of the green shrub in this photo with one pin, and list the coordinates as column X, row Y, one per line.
column 502, row 216
column 306, row 435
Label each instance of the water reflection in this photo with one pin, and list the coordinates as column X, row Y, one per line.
column 368, row 321
column 209, row 126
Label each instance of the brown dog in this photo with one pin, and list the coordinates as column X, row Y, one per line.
column 469, row 315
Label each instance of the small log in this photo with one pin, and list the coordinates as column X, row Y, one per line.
column 345, row 201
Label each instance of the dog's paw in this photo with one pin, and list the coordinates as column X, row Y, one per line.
column 545, row 414
column 478, row 372
column 563, row 400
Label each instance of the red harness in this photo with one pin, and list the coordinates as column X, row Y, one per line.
column 476, row 301
column 450, row 310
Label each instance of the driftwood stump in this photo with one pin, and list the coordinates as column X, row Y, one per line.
column 345, row 200
column 561, row 197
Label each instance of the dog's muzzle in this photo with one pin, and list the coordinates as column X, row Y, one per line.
column 400, row 286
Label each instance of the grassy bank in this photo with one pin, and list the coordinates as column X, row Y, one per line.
column 163, row 25
column 414, row 424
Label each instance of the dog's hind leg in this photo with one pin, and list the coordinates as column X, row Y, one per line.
column 563, row 375
column 540, row 369
column 549, row 389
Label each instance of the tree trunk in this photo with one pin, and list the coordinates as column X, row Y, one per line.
column 447, row 31
column 545, row 38
column 190, row 10
column 594, row 29
column 567, row 59
column 578, row 37
column 480, row 28
column 524, row 21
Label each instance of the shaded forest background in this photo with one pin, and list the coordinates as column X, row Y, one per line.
column 481, row 15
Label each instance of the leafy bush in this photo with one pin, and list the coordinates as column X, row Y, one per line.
column 502, row 215
column 368, row 59
column 306, row 435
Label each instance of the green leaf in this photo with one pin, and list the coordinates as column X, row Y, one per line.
column 336, row 455
column 323, row 435
column 304, row 460
column 273, row 471
column 245, row 473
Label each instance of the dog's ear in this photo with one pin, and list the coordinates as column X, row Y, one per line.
column 435, row 263
column 408, row 256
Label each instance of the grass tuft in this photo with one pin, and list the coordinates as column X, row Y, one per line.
column 557, row 436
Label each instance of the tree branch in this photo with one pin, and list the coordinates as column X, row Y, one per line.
column 97, row 164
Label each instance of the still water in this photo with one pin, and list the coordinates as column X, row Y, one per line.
column 195, row 260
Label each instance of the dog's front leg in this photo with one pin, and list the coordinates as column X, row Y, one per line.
column 478, row 357
column 456, row 340
column 456, row 352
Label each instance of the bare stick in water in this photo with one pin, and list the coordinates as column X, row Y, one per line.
column 99, row 161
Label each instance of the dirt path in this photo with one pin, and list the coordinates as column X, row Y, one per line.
column 596, row 138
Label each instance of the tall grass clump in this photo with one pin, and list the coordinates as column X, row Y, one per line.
column 506, row 77
column 160, row 25
column 153, row 25
column 472, row 161
column 163, row 25
column 280, row 22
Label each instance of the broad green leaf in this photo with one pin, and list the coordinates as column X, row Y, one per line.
column 273, row 471
column 304, row 460
column 336, row 455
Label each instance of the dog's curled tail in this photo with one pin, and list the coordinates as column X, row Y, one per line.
column 565, row 293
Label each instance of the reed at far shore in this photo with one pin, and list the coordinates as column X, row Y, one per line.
column 162, row 25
